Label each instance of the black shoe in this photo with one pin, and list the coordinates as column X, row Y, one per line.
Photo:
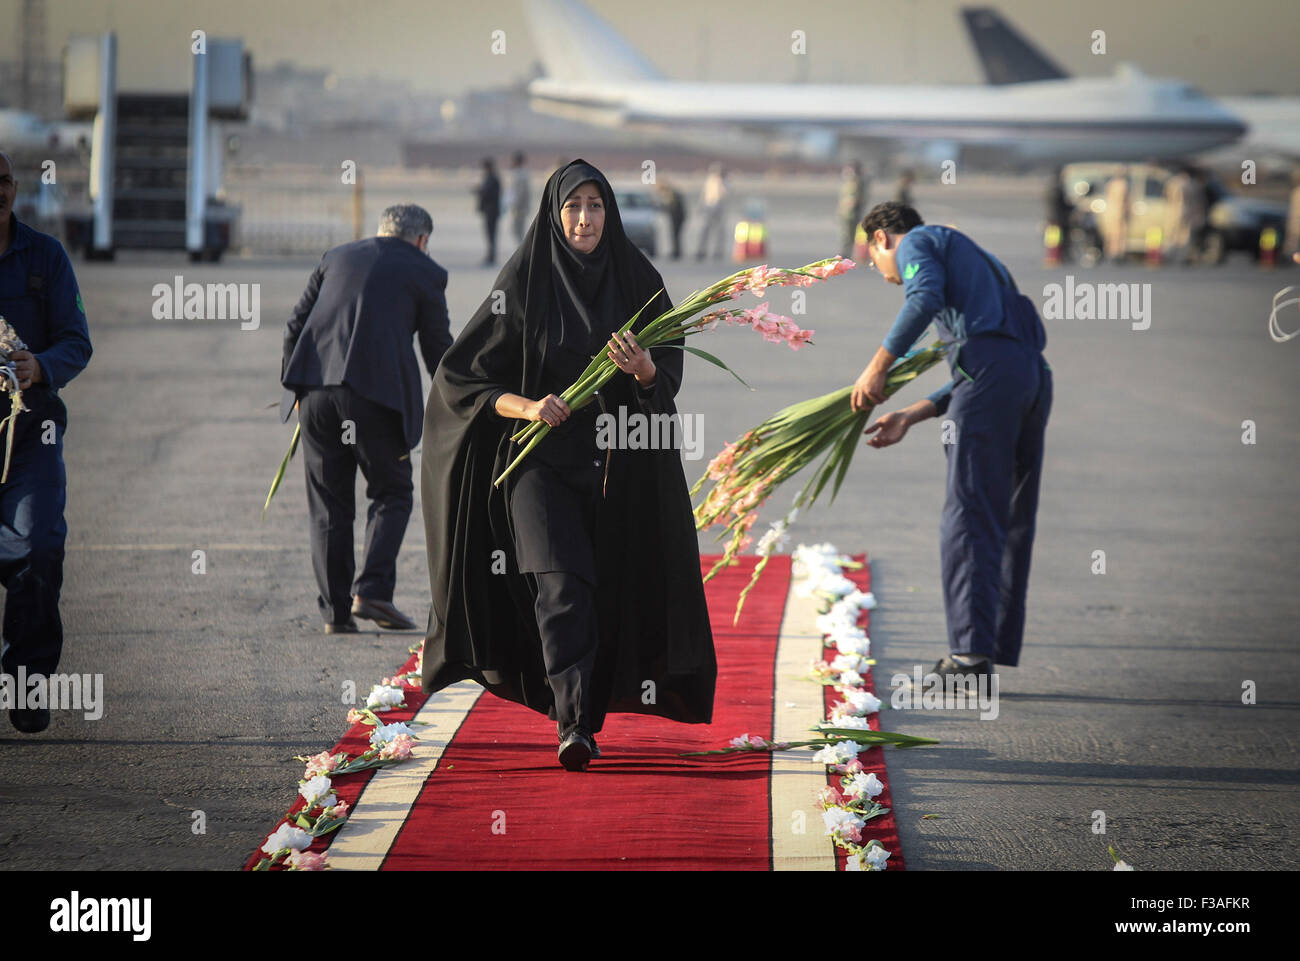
column 29, row 720
column 575, row 751
column 347, row 627
column 595, row 748
column 382, row 613
column 962, row 666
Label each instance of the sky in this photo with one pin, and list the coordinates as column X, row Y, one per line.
column 439, row 47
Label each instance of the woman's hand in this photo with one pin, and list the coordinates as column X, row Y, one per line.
column 628, row 357
column 550, row 410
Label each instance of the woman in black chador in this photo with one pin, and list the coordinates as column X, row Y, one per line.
column 575, row 587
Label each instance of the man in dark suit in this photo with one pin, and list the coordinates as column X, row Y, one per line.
column 349, row 362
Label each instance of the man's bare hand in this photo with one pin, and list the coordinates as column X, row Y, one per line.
column 889, row 429
column 27, row 367
column 868, row 389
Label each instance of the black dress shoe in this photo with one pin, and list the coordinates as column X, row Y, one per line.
column 575, row 752
column 29, row 720
column 382, row 613
column 347, row 627
column 595, row 748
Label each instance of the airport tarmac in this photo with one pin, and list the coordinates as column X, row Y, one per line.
column 1128, row 705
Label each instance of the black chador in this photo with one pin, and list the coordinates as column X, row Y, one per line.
column 575, row 587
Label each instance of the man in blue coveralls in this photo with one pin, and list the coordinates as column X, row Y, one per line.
column 39, row 298
column 998, row 403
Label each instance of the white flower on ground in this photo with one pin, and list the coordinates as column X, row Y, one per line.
column 851, row 679
column 862, row 702
column 876, row 856
column 864, row 785
column 835, row 622
column 317, row 791
column 859, row 601
column 1121, row 865
column 840, row 719
column 839, row 753
column 383, row 698
column 835, row 584
column 849, row 662
column 851, row 641
column 384, row 733
column 287, row 836
column 841, row 821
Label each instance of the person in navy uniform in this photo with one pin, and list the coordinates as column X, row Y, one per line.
column 349, row 364
column 40, row 300
column 998, row 402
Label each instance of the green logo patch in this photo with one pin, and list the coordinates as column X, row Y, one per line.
column 80, row 306
column 910, row 271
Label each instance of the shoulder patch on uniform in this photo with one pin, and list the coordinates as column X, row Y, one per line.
column 910, row 271
column 80, row 306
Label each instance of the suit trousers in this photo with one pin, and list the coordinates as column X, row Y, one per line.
column 32, row 536
column 995, row 460
column 342, row 430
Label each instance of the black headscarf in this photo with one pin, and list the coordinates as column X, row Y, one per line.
column 586, row 300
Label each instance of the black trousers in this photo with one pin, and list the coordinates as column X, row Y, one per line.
column 342, row 430
column 32, row 535
column 554, row 511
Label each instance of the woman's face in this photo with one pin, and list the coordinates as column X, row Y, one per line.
column 582, row 215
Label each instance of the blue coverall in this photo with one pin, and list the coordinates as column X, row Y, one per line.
column 40, row 299
column 998, row 402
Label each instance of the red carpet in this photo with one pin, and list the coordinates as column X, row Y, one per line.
column 499, row 800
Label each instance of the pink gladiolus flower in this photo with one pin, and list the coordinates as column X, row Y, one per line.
column 340, row 809
column 744, row 543
column 851, row 832
column 798, row 338
column 758, row 280
column 322, row 763
column 355, row 716
column 398, row 749
column 831, row 797
column 308, row 861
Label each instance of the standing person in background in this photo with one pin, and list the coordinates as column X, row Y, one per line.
column 1059, row 210
column 903, row 192
column 1178, row 203
column 713, row 208
column 489, row 206
column 671, row 202
column 853, row 204
column 349, row 363
column 1114, row 220
column 1291, row 243
column 518, row 197
column 39, row 299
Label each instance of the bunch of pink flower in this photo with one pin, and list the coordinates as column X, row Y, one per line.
column 775, row 328
column 756, row 280
column 318, row 764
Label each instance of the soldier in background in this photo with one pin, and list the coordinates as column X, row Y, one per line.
column 1114, row 222
column 518, row 197
column 853, row 204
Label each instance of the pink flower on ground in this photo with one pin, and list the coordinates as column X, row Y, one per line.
column 355, row 716
column 851, row 832
column 831, row 797
column 398, row 749
column 308, row 861
column 322, row 763
column 340, row 809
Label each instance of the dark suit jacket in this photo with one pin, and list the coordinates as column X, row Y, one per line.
column 354, row 324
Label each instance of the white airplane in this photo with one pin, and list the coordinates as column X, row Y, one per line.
column 1007, row 57
column 595, row 75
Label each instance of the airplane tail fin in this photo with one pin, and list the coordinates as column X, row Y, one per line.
column 1005, row 55
column 576, row 45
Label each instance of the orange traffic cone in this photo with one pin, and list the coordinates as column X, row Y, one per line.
column 1052, row 246
column 1268, row 247
column 1155, row 246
